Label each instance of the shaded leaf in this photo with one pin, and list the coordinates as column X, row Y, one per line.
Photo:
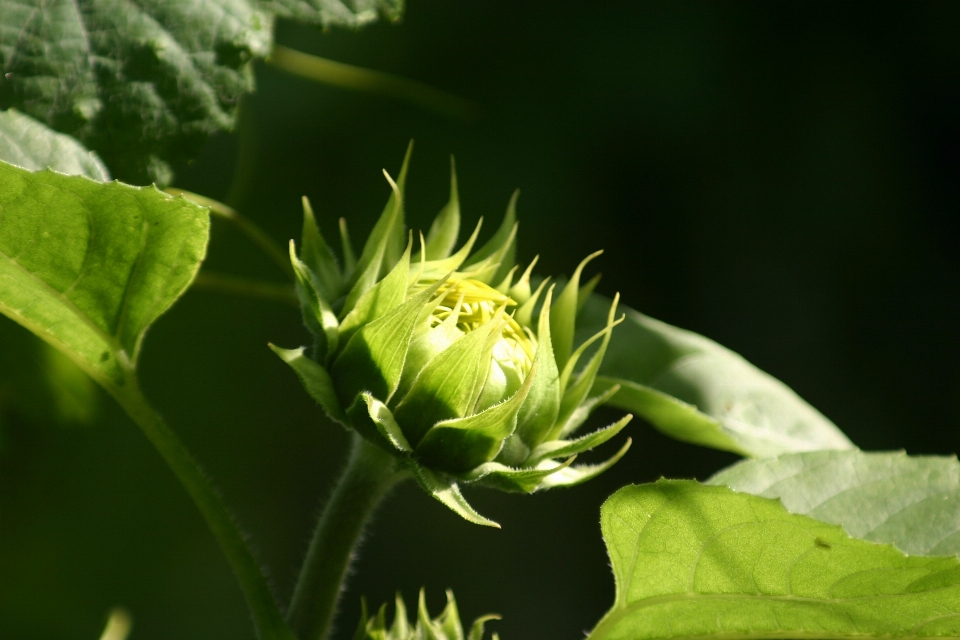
column 89, row 266
column 692, row 560
column 461, row 444
column 315, row 379
column 695, row 390
column 912, row 502
column 33, row 145
column 331, row 13
column 145, row 83
column 563, row 319
column 373, row 358
column 386, row 423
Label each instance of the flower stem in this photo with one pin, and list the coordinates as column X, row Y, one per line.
column 246, row 226
column 370, row 473
column 263, row 289
column 349, row 76
column 266, row 614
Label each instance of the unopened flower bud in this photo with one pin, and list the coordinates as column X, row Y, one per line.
column 447, row 359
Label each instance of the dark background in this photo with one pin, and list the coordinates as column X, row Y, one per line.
column 781, row 177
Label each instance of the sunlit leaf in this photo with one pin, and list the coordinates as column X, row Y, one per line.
column 692, row 560
column 89, row 266
column 912, row 502
column 698, row 391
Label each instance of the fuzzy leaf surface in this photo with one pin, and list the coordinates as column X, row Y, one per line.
column 912, row 502
column 143, row 83
column 695, row 390
column 693, row 560
column 33, row 145
column 89, row 266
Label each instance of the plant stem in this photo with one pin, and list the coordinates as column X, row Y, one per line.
column 349, row 76
column 246, row 226
column 266, row 614
column 369, row 475
column 224, row 283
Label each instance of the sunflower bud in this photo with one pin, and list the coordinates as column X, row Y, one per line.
column 447, row 359
column 446, row 626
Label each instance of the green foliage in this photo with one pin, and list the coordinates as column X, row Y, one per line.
column 695, row 390
column 446, row 626
column 145, row 83
column 692, row 561
column 908, row 501
column 33, row 145
column 88, row 266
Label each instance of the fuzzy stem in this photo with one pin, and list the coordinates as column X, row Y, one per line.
column 369, row 474
column 266, row 614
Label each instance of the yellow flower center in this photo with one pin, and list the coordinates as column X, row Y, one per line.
column 514, row 350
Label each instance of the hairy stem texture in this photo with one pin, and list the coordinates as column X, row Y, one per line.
column 370, row 473
column 263, row 607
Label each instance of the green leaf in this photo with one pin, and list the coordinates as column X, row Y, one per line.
column 339, row 13
column 316, row 311
column 539, row 413
column 912, row 502
column 33, row 145
column 315, row 379
column 316, row 254
column 695, row 390
column 89, row 266
column 698, row 561
column 564, row 448
column 564, row 316
column 387, row 232
column 448, row 386
column 578, row 474
column 371, row 262
column 378, row 300
column 504, row 233
column 446, row 491
column 445, row 229
column 577, row 393
column 386, row 423
column 145, row 83
column 461, row 444
column 373, row 358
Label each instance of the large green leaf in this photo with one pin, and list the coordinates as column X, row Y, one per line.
column 33, row 145
column 89, row 266
column 329, row 13
column 143, row 83
column 911, row 502
column 695, row 390
column 692, row 560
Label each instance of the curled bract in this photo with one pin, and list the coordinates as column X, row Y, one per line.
column 446, row 626
column 450, row 360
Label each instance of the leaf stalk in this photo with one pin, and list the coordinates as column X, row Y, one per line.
column 263, row 607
